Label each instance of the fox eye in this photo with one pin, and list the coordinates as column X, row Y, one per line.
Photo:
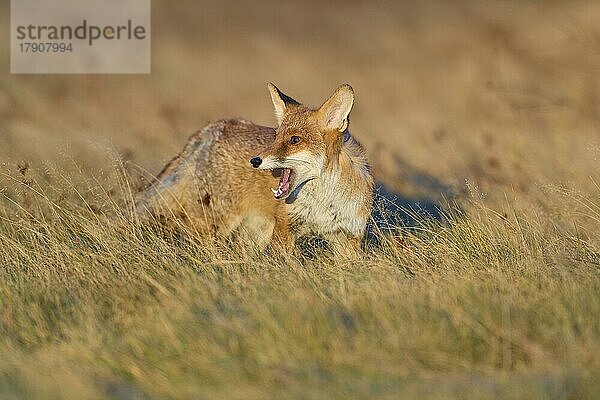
column 295, row 139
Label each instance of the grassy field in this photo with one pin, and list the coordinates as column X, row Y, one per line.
column 490, row 110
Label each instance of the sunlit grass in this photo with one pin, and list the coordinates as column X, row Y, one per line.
column 491, row 303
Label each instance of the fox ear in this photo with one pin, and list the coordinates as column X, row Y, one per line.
column 281, row 102
column 335, row 111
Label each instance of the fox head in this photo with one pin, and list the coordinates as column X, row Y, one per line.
column 306, row 139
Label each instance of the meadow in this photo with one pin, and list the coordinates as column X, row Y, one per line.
column 488, row 111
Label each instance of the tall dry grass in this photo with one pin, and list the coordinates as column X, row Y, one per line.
column 489, row 304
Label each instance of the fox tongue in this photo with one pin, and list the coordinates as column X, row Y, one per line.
column 285, row 178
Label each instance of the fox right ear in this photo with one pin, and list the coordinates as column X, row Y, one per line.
column 281, row 102
column 334, row 112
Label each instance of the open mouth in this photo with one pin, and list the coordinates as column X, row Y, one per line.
column 284, row 184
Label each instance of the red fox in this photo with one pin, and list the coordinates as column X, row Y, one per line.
column 307, row 176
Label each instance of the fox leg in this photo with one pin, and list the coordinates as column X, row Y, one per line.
column 282, row 239
column 348, row 247
column 258, row 229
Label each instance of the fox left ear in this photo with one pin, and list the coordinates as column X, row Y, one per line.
column 281, row 102
column 335, row 111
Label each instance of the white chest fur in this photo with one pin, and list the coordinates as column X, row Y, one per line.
column 329, row 204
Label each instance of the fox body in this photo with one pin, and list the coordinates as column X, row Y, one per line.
column 307, row 176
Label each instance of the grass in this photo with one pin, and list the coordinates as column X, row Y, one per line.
column 493, row 304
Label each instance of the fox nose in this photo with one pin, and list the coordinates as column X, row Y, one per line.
column 256, row 161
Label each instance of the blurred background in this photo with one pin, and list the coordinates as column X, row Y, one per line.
column 453, row 98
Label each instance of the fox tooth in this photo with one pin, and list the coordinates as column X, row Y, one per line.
column 273, row 190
